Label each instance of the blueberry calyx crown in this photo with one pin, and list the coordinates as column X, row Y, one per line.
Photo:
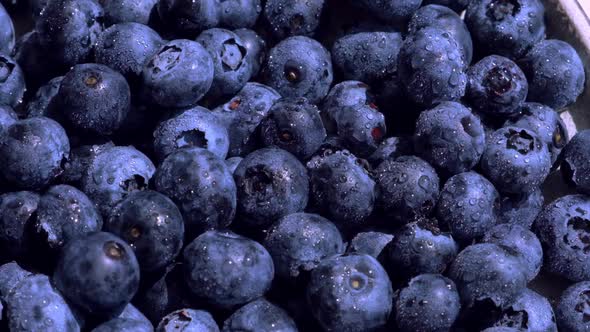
column 578, row 230
column 258, row 179
column 114, row 250
column 232, row 55
column 168, row 57
column 292, row 73
column 193, row 137
column 135, row 183
column 498, row 10
column 520, row 141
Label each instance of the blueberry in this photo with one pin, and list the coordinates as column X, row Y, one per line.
column 293, row 18
column 369, row 243
column 342, row 95
column 391, row 148
column 65, row 213
column 8, row 117
column 202, row 187
column 35, row 305
column 572, row 309
column 17, row 214
column 255, row 49
column 450, row 137
column 231, row 69
column 127, row 47
column 361, row 127
column 515, row 160
column 545, row 122
column 530, row 312
column 430, row 302
column 521, row 209
column 437, row 15
column 418, row 247
column 299, row 67
column 562, row 228
column 394, row 12
column 505, row 27
column 243, row 113
column 574, row 162
column 236, row 14
column 33, row 152
column 378, row 51
column 114, row 173
column 469, row 205
column 497, row 86
column 350, row 292
column 259, row 315
column 294, row 125
column 12, row 81
column 68, row 29
column 188, row 320
column 408, row 188
column 341, row 188
column 122, row 11
column 486, row 272
column 178, row 75
column 80, row 159
column 271, row 184
column 106, row 101
column 439, row 75
column 195, row 127
column 226, row 269
column 97, row 273
column 44, row 102
column 188, row 18
column 152, row 226
column 130, row 319
column 456, row 5
column 299, row 241
column 7, row 33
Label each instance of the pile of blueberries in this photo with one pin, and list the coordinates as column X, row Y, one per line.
column 289, row 165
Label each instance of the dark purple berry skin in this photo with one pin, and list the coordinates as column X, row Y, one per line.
column 572, row 309
column 574, row 162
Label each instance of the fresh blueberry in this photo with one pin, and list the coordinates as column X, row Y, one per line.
column 122, row 11
column 44, row 102
column 188, row 18
column 12, row 81
column 574, row 162
column 443, row 17
column 105, row 103
column 236, row 14
column 496, row 86
column 226, row 269
column 35, row 305
column 65, row 213
column 368, row 56
column 242, row 115
column 201, row 185
column 572, row 309
column 299, row 241
column 178, row 75
column 130, row 320
column 456, row 5
column 127, row 48
column 271, row 184
column 7, row 33
column 8, row 117
column 469, row 205
column 188, row 320
column 152, row 226
column 350, row 292
column 299, row 67
column 11, row 274
column 232, row 163
column 432, row 67
column 394, row 12
column 294, row 125
column 450, row 137
column 521, row 242
column 391, row 148
column 555, row 73
column 369, row 243
column 68, row 29
column 33, row 152
column 515, row 160
column 292, row 17
column 486, row 272
column 417, row 248
column 505, row 27
column 231, row 69
column 255, row 49
column 430, row 302
column 545, row 122
column 113, row 174
column 17, row 214
column 195, row 127
column 562, row 228
column 341, row 188
column 345, row 94
column 361, row 127
column 408, row 188
column 80, row 159
column 98, row 273
column 530, row 312
column 521, row 209
column 259, row 315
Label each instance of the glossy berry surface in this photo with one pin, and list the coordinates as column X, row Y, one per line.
column 259, row 315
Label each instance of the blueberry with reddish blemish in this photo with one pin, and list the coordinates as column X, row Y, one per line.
column 12, row 81
column 187, row 320
column 98, row 274
column 292, row 17
column 345, row 94
column 361, row 127
column 574, row 162
column 572, row 311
